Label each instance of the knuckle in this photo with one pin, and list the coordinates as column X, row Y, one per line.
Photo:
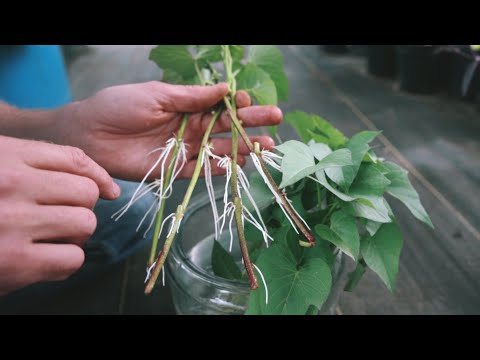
column 11, row 215
column 12, row 253
column 10, row 179
column 77, row 259
column 79, row 159
column 89, row 190
column 88, row 222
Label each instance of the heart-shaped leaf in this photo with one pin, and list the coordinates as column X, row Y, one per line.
column 294, row 287
column 258, row 84
column 269, row 59
column 176, row 58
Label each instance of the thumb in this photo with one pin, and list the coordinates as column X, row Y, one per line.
column 192, row 98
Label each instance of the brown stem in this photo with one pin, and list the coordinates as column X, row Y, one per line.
column 238, row 213
column 285, row 203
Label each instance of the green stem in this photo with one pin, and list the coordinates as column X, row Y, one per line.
column 329, row 213
column 199, row 74
column 319, row 195
column 181, row 208
column 156, row 233
column 168, row 177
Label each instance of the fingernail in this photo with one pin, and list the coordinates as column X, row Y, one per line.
column 116, row 190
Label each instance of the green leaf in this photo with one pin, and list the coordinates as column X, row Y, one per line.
column 319, row 150
column 223, row 263
column 269, row 59
column 335, row 138
column 237, row 52
column 255, row 241
column 382, row 251
column 312, row 310
column 323, row 180
column 355, row 276
column 345, row 226
column 359, row 147
column 279, row 235
column 372, row 227
column 260, row 191
column 375, row 209
column 322, row 250
column 327, row 234
column 292, row 288
column 288, row 237
column 209, row 53
column 301, row 122
column 337, row 158
column 174, row 58
column 297, row 157
column 298, row 161
column 402, row 189
column 369, row 181
column 171, row 77
column 313, row 127
column 258, row 84
column 342, row 233
column 272, row 130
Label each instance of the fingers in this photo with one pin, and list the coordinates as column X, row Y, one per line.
column 71, row 160
column 56, row 188
column 66, row 223
column 252, row 116
column 54, row 261
column 243, row 99
column 189, row 168
column 189, row 98
column 222, row 146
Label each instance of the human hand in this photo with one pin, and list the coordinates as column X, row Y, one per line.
column 121, row 125
column 46, row 195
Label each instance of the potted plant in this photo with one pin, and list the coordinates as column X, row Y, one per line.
column 336, row 49
column 464, row 81
column 359, row 50
column 382, row 60
column 278, row 239
column 421, row 69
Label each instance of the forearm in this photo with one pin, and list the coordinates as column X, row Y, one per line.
column 28, row 124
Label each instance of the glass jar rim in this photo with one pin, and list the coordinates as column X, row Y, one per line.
column 179, row 254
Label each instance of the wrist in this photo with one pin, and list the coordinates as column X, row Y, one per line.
column 30, row 124
column 60, row 126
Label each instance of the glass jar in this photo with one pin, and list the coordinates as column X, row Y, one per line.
column 194, row 287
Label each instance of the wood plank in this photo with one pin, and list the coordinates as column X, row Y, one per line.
column 436, row 134
column 438, row 268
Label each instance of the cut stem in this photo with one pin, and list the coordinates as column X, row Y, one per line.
column 237, row 202
column 256, row 149
column 239, row 213
column 181, row 208
column 168, row 177
column 286, row 204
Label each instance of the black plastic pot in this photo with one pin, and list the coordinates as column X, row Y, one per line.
column 359, row 50
column 382, row 60
column 420, row 71
column 335, row 49
column 465, row 77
